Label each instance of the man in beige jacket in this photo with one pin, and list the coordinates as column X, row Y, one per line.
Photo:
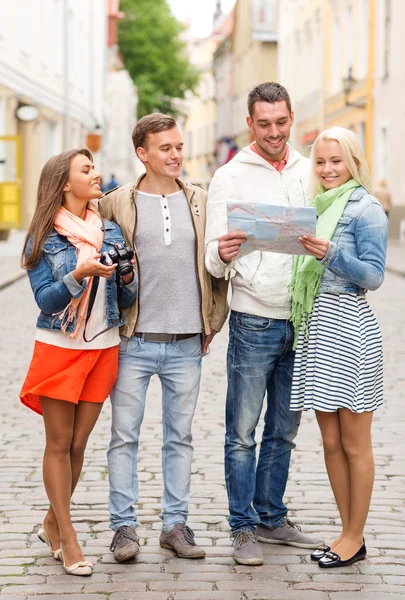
column 179, row 308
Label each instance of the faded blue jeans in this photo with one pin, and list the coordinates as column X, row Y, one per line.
column 260, row 360
column 178, row 366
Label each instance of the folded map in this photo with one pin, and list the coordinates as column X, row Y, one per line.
column 271, row 228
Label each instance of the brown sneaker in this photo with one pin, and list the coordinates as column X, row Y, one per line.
column 181, row 540
column 125, row 544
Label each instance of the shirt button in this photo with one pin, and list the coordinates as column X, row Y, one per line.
column 165, row 207
column 167, row 218
column 167, row 230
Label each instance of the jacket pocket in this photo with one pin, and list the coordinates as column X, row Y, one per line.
column 56, row 254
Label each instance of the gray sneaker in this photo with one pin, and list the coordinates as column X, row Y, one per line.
column 125, row 544
column 181, row 540
column 246, row 550
column 289, row 534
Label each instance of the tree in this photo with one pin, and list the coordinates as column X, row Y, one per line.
column 154, row 55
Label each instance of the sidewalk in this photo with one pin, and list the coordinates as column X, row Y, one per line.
column 28, row 572
column 10, row 252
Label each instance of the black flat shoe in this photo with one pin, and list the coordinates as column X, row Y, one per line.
column 319, row 552
column 332, row 560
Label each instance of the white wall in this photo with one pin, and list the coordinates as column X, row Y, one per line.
column 33, row 60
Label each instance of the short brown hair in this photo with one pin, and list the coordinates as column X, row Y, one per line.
column 268, row 92
column 152, row 123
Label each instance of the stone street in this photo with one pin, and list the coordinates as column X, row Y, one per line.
column 28, row 571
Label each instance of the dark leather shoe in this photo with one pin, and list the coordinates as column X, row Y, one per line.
column 332, row 560
column 319, row 552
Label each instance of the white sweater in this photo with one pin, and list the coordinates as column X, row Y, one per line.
column 259, row 280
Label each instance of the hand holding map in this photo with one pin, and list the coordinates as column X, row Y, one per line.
column 271, row 228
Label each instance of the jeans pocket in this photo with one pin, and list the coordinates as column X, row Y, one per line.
column 189, row 347
column 253, row 323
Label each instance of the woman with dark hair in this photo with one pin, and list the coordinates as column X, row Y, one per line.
column 75, row 359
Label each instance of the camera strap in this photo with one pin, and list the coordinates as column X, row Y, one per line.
column 93, row 293
column 92, row 298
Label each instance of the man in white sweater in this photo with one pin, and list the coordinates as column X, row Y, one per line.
column 260, row 356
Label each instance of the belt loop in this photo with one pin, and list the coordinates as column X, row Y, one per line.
column 174, row 340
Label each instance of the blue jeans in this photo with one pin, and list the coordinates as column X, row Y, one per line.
column 178, row 366
column 260, row 359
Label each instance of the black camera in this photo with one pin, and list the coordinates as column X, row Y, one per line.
column 121, row 256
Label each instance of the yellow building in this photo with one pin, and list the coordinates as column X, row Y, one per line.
column 200, row 124
column 326, row 61
column 254, row 47
column 349, row 67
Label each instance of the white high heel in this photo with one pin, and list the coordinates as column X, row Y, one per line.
column 43, row 536
column 83, row 568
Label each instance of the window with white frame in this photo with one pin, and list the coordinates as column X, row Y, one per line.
column 336, row 69
column 387, row 38
column 363, row 39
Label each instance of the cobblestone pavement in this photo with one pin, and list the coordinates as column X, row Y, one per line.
column 27, row 571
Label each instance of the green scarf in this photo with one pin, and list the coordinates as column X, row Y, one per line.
column 307, row 270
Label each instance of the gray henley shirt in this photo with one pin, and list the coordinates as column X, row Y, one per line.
column 169, row 293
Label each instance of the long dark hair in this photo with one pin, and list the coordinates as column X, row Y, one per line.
column 50, row 196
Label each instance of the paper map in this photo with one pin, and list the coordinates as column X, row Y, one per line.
column 271, row 228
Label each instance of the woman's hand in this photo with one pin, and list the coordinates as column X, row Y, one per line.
column 92, row 267
column 315, row 246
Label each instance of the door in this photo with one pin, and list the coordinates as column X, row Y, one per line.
column 10, row 182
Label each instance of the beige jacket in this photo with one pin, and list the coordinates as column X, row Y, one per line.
column 119, row 206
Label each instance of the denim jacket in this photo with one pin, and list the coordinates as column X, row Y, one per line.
column 54, row 285
column 355, row 260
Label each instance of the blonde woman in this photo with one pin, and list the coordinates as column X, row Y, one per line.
column 338, row 368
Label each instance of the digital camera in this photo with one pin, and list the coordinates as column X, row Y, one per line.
column 121, row 256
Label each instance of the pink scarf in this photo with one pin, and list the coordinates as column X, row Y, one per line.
column 87, row 237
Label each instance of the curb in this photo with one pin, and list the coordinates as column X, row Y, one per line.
column 12, row 279
column 395, row 271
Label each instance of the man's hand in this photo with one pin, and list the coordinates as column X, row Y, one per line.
column 229, row 245
column 315, row 246
column 208, row 340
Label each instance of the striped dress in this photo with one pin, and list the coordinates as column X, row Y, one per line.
column 340, row 363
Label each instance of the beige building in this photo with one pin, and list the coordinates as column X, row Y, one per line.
column 300, row 66
column 254, row 47
column 389, row 115
column 52, row 67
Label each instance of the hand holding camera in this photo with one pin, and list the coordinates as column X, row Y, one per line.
column 105, row 264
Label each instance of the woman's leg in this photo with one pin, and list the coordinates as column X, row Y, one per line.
column 86, row 415
column 356, row 441
column 337, row 466
column 59, row 419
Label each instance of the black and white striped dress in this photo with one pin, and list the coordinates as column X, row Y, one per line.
column 340, row 364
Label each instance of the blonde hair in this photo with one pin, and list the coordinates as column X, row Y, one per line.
column 353, row 156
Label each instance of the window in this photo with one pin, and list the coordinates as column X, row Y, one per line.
column 387, row 37
column 363, row 39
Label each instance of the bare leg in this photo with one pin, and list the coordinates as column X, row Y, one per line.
column 356, row 441
column 63, row 447
column 337, row 466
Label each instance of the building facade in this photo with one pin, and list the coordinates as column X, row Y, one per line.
column 53, row 61
column 120, row 111
column 254, row 48
column 300, row 66
column 389, row 115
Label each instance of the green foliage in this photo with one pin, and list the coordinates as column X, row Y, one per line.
column 154, row 55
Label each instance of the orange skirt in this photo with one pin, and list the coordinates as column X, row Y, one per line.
column 70, row 375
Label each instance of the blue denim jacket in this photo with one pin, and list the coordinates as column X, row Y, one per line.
column 54, row 285
column 355, row 260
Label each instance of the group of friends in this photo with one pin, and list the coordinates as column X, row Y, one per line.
column 301, row 332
